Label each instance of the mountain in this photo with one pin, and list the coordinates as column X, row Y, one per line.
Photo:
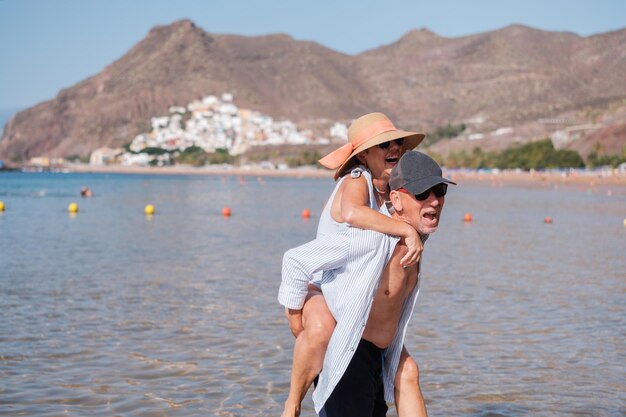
column 5, row 114
column 508, row 77
column 504, row 77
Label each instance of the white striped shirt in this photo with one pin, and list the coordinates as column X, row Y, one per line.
column 352, row 260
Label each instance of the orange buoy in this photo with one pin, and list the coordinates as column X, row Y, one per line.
column 306, row 214
column 547, row 220
column 468, row 217
column 226, row 212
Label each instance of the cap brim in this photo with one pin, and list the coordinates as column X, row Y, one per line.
column 411, row 140
column 423, row 184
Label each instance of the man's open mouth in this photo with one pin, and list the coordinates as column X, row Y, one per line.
column 431, row 216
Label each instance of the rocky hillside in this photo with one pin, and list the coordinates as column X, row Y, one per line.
column 504, row 77
column 509, row 77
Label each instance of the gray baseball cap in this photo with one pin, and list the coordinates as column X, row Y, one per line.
column 416, row 172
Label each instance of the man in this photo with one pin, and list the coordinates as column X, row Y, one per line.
column 368, row 292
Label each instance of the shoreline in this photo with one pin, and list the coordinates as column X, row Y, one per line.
column 537, row 178
column 513, row 177
column 210, row 170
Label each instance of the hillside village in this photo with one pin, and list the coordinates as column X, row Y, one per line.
column 215, row 125
column 211, row 123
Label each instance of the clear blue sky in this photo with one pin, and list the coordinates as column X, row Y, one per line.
column 47, row 45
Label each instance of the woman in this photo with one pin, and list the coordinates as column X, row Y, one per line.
column 362, row 166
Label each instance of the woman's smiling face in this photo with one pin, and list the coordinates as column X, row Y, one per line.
column 381, row 161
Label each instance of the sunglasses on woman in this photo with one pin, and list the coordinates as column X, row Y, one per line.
column 439, row 190
column 385, row 145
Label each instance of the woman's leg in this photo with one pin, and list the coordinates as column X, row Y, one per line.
column 309, row 349
column 409, row 400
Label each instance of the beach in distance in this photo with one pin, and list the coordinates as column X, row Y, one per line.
column 592, row 177
column 109, row 311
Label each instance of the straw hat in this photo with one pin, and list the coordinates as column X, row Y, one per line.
column 365, row 132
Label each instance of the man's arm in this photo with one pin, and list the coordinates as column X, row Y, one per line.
column 299, row 264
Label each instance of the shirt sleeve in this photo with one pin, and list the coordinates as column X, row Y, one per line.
column 325, row 253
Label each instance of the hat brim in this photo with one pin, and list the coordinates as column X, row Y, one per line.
column 423, row 184
column 411, row 140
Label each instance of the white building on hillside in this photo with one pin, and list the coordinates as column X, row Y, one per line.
column 103, row 156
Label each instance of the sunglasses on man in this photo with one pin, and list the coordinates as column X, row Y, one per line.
column 439, row 190
column 385, row 145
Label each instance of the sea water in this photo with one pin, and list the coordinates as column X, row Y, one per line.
column 112, row 312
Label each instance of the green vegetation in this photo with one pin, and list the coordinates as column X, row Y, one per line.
column 220, row 156
column 306, row 157
column 536, row 155
column 444, row 132
column 84, row 159
column 292, row 156
column 154, row 151
column 126, row 148
column 262, row 156
column 596, row 159
column 268, row 153
column 539, row 155
column 196, row 156
column 476, row 159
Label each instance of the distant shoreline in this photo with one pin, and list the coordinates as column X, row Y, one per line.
column 207, row 170
column 591, row 178
column 533, row 179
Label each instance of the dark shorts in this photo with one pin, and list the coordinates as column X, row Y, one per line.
column 360, row 392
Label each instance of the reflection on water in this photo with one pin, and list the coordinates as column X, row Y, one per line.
column 112, row 313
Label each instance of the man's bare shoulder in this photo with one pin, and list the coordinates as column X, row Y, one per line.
column 398, row 253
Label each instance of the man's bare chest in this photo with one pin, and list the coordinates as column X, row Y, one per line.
column 397, row 283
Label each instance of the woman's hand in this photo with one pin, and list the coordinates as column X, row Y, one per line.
column 414, row 245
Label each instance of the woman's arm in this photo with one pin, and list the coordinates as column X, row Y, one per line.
column 356, row 211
